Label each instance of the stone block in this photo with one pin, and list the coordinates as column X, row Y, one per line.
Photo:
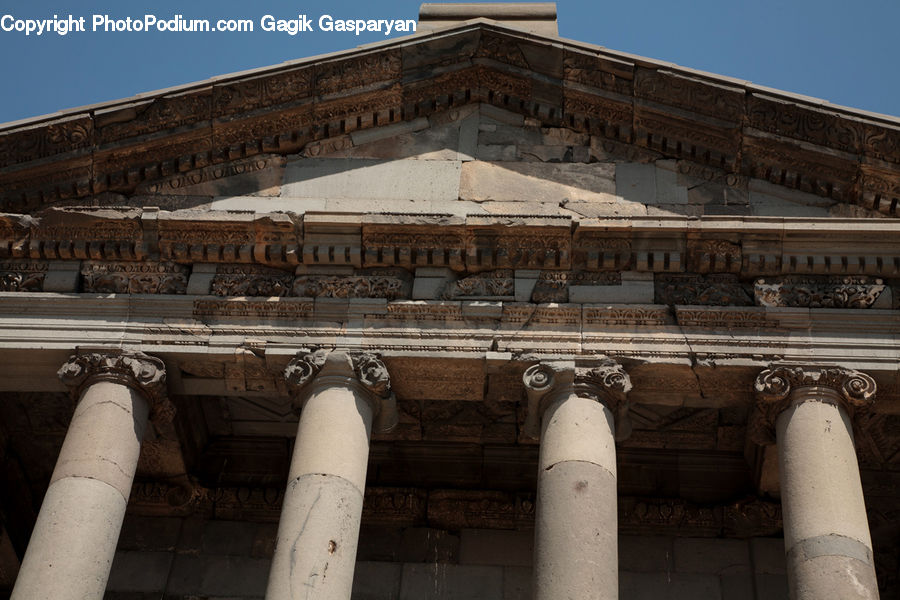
column 496, row 547
column 521, row 208
column 294, row 205
column 140, row 571
column 668, row 586
column 536, row 182
column 544, row 153
column 768, row 555
column 423, row 544
column 709, row 555
column 706, row 193
column 376, row 580
column 646, row 554
column 770, row 586
column 451, row 582
column 201, row 279
column 62, row 276
column 150, row 533
column 636, row 288
column 430, row 282
column 517, row 583
column 737, row 586
column 636, row 182
column 682, row 210
column 228, row 537
column 525, row 280
column 668, row 190
column 228, row 576
column 619, row 208
column 371, row 179
column 496, row 152
column 767, row 199
column 379, row 544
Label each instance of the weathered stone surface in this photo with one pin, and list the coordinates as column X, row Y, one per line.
column 372, row 180
column 532, row 182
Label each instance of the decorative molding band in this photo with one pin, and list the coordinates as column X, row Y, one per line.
column 22, row 275
column 852, row 390
column 133, row 278
column 808, row 292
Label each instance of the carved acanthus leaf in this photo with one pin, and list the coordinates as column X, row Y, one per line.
column 22, row 276
column 304, row 367
column 146, row 374
column 715, row 290
column 833, row 292
column 134, row 278
column 495, row 284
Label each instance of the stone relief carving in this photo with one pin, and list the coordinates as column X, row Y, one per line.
column 856, row 392
column 601, row 379
column 553, row 286
column 495, row 284
column 810, row 292
column 146, row 374
column 715, row 290
column 393, row 284
column 22, row 276
column 134, row 278
column 251, row 281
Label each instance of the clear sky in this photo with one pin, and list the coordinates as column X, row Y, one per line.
column 842, row 51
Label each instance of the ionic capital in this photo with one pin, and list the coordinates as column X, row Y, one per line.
column 780, row 385
column 600, row 379
column 143, row 373
column 314, row 369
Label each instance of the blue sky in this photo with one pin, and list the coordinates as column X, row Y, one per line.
column 843, row 52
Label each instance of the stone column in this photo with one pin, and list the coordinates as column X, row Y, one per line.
column 809, row 411
column 340, row 396
column 74, row 539
column 576, row 542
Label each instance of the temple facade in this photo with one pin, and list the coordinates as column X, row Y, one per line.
column 478, row 313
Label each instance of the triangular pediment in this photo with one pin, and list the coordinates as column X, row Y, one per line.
column 494, row 111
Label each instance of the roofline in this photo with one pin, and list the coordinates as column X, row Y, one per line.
column 453, row 29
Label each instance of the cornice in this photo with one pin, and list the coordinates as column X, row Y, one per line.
column 630, row 105
column 170, row 240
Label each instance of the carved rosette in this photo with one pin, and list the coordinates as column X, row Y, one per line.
column 143, row 373
column 356, row 369
column 602, row 380
column 853, row 390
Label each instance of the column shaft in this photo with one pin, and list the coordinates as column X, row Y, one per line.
column 576, row 544
column 74, row 539
column 315, row 552
column 826, row 531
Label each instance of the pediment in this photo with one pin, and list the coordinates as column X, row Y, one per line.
column 393, row 127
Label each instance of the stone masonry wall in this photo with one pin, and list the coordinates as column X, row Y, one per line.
column 194, row 559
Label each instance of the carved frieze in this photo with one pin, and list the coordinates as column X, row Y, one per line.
column 275, row 308
column 553, row 286
column 598, row 72
column 598, row 250
column 818, row 292
column 626, row 316
column 157, row 114
column 713, row 256
column 258, row 92
column 393, row 284
column 133, row 278
column 22, row 275
column 813, row 125
column 493, row 284
column 441, row 246
column 250, row 280
column 339, row 75
column 714, row 290
column 724, row 318
column 31, row 143
column 703, row 97
column 528, row 246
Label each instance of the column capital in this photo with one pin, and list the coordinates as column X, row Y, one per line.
column 779, row 385
column 141, row 372
column 315, row 368
column 599, row 378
